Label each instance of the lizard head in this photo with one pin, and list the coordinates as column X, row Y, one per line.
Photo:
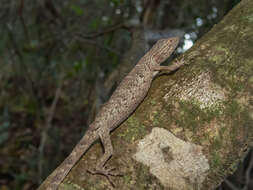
column 163, row 49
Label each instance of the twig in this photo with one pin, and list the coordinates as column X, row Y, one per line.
column 23, row 66
column 20, row 12
column 97, row 44
column 104, row 31
column 48, row 125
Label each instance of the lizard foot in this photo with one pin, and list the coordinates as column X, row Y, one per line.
column 107, row 172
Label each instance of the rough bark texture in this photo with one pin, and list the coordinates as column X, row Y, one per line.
column 194, row 125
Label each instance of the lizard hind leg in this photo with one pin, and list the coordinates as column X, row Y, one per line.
column 101, row 168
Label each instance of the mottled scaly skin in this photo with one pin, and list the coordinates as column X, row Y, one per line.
column 134, row 87
column 125, row 99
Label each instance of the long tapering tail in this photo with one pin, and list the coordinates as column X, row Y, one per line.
column 53, row 181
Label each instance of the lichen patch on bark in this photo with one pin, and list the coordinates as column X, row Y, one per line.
column 204, row 92
column 176, row 163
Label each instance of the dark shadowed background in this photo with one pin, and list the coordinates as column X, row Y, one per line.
column 62, row 59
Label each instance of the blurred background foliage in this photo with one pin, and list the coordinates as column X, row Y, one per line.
column 56, row 61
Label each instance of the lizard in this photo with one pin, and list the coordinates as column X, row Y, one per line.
column 125, row 99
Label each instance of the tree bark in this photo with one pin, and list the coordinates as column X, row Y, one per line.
column 194, row 125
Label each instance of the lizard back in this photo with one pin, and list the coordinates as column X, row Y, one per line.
column 127, row 96
column 134, row 87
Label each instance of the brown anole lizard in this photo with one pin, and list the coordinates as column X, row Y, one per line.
column 125, row 99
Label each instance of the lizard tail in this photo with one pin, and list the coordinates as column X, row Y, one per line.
column 53, row 181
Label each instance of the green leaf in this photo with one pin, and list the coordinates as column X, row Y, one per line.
column 94, row 24
column 77, row 66
column 116, row 2
column 78, row 10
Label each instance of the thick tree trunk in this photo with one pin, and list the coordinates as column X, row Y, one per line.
column 194, row 125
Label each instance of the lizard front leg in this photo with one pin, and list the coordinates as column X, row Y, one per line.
column 101, row 163
column 169, row 68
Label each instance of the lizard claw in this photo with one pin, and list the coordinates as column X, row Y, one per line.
column 105, row 171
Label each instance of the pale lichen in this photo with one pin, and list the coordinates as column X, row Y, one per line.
column 200, row 90
column 184, row 166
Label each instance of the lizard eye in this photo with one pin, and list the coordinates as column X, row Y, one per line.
column 141, row 75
